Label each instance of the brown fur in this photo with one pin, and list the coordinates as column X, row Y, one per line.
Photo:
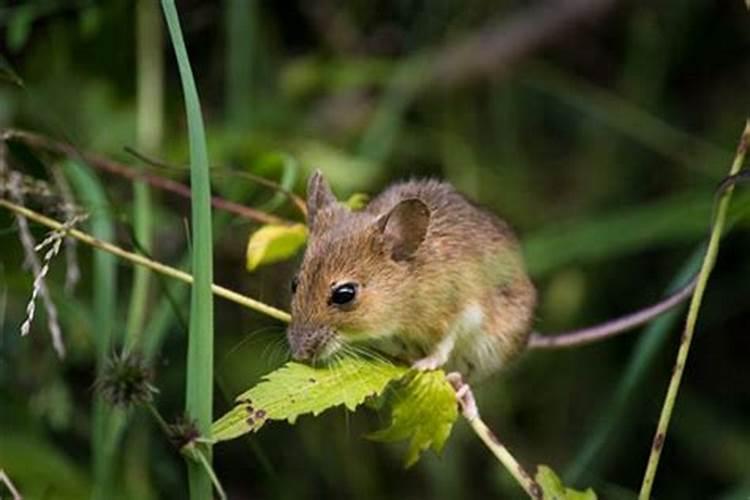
column 425, row 260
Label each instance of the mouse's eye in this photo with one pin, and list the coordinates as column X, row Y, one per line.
column 344, row 294
column 294, row 284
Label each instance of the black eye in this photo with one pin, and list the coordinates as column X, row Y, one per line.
column 344, row 294
column 295, row 283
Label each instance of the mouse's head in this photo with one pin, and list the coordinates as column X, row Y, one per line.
column 354, row 273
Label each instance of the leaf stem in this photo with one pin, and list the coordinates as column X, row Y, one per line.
column 687, row 336
column 140, row 260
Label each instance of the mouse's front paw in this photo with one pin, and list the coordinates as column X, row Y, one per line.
column 429, row 363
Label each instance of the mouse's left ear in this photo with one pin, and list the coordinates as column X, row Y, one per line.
column 404, row 227
column 319, row 196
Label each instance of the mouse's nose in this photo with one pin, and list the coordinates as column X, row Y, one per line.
column 306, row 340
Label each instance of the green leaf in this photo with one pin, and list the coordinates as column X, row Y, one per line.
column 554, row 489
column 296, row 389
column 273, row 243
column 424, row 410
column 357, row 201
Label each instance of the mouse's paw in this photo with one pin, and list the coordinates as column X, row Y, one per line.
column 464, row 395
column 432, row 362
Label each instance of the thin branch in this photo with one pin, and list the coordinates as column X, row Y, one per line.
column 122, row 170
column 140, row 260
column 470, row 412
column 4, row 479
column 492, row 51
column 298, row 202
column 687, row 336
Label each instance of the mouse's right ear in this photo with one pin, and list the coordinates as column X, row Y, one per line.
column 319, row 196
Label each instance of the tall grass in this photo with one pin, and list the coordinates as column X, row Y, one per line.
column 91, row 192
column 199, row 390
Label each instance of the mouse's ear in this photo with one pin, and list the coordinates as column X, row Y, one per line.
column 404, row 227
column 319, row 196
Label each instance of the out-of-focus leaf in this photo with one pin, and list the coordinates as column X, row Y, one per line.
column 338, row 165
column 289, row 174
column 19, row 27
column 554, row 489
column 297, row 389
column 273, row 243
column 357, row 201
column 424, row 410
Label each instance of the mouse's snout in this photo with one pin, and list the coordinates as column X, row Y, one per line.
column 308, row 342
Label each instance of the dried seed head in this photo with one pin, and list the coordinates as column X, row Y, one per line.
column 184, row 432
column 126, row 381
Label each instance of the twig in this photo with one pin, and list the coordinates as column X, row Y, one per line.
column 687, row 336
column 493, row 50
column 127, row 172
column 470, row 412
column 298, row 202
column 9, row 484
column 140, row 260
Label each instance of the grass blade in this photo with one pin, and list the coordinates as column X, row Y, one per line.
column 92, row 195
column 199, row 395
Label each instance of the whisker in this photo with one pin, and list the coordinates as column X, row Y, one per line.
column 253, row 336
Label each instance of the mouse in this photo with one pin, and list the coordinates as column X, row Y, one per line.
column 425, row 276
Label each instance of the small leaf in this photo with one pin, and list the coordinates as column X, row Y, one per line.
column 296, row 389
column 357, row 201
column 273, row 243
column 554, row 489
column 424, row 410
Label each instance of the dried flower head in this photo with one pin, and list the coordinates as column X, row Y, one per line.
column 184, row 432
column 126, row 380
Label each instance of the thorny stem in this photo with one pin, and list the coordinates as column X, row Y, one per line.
column 140, row 260
column 687, row 336
column 122, row 170
column 470, row 412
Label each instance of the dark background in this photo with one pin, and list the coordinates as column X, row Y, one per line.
column 598, row 129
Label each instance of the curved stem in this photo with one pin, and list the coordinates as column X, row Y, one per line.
column 497, row 448
column 140, row 260
column 470, row 412
column 687, row 336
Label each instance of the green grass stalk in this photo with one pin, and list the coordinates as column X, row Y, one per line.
column 91, row 193
column 708, row 263
column 200, row 359
column 149, row 133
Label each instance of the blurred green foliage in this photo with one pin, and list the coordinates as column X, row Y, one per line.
column 601, row 146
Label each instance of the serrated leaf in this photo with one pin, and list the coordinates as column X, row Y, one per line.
column 357, row 201
column 296, row 389
column 554, row 489
column 424, row 410
column 273, row 243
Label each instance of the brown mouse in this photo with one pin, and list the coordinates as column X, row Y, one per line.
column 426, row 276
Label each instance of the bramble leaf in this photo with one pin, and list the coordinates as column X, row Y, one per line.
column 424, row 410
column 296, row 389
column 554, row 489
column 273, row 243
